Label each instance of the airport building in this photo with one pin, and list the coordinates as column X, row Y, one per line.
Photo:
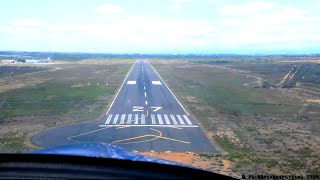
column 8, row 61
column 32, row 61
column 38, row 60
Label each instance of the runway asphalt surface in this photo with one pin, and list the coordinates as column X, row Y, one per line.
column 144, row 116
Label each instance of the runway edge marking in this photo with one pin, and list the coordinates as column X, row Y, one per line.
column 120, row 88
column 169, row 89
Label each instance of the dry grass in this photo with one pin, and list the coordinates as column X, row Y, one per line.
column 261, row 130
column 59, row 94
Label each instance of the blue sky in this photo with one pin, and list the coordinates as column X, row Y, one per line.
column 163, row 26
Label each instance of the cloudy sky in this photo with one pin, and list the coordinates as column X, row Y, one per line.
column 162, row 26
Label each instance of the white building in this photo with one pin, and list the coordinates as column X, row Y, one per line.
column 8, row 61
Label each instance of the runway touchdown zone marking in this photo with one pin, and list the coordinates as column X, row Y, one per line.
column 132, row 82
column 156, row 83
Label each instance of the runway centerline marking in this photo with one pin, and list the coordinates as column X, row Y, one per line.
column 145, row 94
column 146, row 102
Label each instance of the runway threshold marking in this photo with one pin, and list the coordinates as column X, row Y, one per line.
column 118, row 127
column 173, row 119
column 148, row 125
column 180, row 120
column 109, row 119
column 128, row 123
column 166, row 119
column 160, row 120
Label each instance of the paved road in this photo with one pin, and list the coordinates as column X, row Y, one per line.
column 145, row 115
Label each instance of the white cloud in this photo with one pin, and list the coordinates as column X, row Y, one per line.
column 247, row 8
column 109, row 8
column 5, row 29
column 266, row 23
column 254, row 24
column 178, row 4
column 29, row 23
column 135, row 33
column 139, row 29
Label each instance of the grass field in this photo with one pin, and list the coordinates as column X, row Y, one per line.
column 59, row 94
column 262, row 130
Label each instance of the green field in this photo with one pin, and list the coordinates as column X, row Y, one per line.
column 62, row 98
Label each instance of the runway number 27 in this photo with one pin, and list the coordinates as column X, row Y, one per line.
column 156, row 108
column 141, row 108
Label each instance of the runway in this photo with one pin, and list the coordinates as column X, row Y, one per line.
column 145, row 115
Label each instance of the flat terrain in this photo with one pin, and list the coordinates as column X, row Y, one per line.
column 262, row 130
column 54, row 95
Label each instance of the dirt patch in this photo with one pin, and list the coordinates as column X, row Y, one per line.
column 205, row 162
column 228, row 133
column 191, row 99
column 226, row 164
column 18, row 83
column 77, row 85
column 313, row 100
column 183, row 158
